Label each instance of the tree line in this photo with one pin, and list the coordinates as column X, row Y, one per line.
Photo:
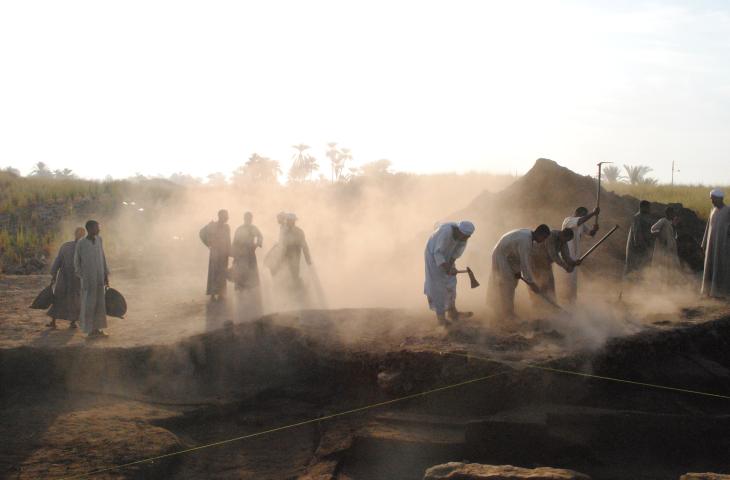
column 258, row 169
column 631, row 174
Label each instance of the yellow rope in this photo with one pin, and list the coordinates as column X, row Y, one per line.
column 588, row 375
column 286, row 427
column 400, row 399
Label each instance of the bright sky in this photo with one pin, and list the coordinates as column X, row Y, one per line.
column 158, row 87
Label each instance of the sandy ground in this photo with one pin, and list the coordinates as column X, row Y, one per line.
column 55, row 434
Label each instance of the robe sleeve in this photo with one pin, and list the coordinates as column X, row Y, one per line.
column 657, row 227
column 635, row 232
column 439, row 253
column 103, row 259
column 77, row 259
column 524, row 249
column 305, row 250
column 56, row 264
column 566, row 260
column 259, row 238
column 707, row 229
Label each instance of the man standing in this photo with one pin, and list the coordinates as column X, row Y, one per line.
column 510, row 263
column 66, row 285
column 640, row 242
column 243, row 250
column 217, row 237
column 293, row 244
column 444, row 246
column 716, row 244
column 665, row 260
column 90, row 266
column 553, row 250
column 577, row 223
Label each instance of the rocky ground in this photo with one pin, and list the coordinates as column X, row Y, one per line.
column 175, row 375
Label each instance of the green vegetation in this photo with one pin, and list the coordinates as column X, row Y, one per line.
column 33, row 208
column 694, row 197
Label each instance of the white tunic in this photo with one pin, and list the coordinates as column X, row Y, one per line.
column 511, row 255
column 716, row 244
column 440, row 287
column 90, row 266
column 571, row 278
column 665, row 260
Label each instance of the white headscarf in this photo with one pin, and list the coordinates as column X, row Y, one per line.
column 466, row 227
column 717, row 193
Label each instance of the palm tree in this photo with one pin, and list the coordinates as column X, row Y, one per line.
column 612, row 173
column 343, row 157
column 303, row 164
column 333, row 154
column 41, row 170
column 637, row 174
column 65, row 173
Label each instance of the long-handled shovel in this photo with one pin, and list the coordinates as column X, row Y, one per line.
column 603, row 239
column 545, row 297
column 598, row 190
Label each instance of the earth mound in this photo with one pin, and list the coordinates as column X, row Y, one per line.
column 549, row 192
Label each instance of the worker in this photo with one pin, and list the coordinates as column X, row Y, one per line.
column 579, row 224
column 444, row 246
column 665, row 259
column 640, row 242
column 217, row 237
column 510, row 263
column 554, row 250
column 66, row 285
column 716, row 244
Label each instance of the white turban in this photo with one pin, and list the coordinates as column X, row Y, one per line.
column 466, row 227
column 292, row 216
column 717, row 193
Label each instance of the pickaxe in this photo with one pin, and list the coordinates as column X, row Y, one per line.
column 598, row 191
column 472, row 278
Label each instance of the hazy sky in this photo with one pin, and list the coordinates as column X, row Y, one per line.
column 164, row 86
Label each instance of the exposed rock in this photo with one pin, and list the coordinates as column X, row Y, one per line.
column 477, row 471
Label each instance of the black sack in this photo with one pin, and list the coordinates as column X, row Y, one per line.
column 116, row 305
column 44, row 299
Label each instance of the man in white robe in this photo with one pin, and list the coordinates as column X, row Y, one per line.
column 665, row 259
column 579, row 224
column 554, row 250
column 66, row 285
column 444, row 246
column 90, row 266
column 716, row 244
column 511, row 261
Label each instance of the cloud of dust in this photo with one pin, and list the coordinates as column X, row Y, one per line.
column 366, row 236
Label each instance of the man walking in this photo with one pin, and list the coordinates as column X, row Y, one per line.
column 90, row 266
column 66, row 285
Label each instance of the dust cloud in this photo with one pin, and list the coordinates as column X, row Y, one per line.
column 366, row 236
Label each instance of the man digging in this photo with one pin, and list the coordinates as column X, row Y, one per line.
column 444, row 246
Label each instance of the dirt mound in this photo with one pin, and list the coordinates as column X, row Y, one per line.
column 549, row 192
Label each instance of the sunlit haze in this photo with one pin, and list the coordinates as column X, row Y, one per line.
column 118, row 88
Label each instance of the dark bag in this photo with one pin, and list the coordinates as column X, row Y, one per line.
column 116, row 305
column 44, row 299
